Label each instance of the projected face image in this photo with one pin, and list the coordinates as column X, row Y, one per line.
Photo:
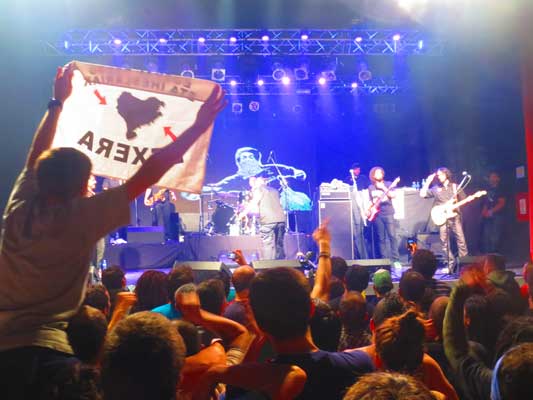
column 247, row 163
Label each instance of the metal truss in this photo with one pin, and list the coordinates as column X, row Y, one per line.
column 213, row 42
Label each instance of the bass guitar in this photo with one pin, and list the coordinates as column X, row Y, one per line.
column 373, row 211
column 443, row 212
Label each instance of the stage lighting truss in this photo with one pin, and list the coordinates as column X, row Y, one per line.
column 209, row 42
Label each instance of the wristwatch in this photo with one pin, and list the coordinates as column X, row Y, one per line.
column 53, row 103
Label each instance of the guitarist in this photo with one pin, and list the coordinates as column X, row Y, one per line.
column 445, row 192
column 384, row 220
column 161, row 206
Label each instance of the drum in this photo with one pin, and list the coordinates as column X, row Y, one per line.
column 222, row 217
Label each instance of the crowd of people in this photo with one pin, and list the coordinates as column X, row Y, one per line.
column 279, row 333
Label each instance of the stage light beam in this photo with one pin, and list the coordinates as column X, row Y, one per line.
column 286, row 80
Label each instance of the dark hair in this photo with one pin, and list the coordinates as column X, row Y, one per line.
column 515, row 373
column 352, row 311
column 400, row 342
column 242, row 278
column 388, row 386
column 437, row 310
column 517, row 330
column 412, row 286
column 211, row 294
column 425, row 262
column 373, row 171
column 336, row 288
column 151, row 291
column 190, row 335
column 476, row 309
column 86, row 333
column 325, row 326
column 338, row 267
column 387, row 307
column 281, row 303
column 143, row 357
column 446, row 172
column 357, row 278
column 113, row 277
column 62, row 172
column 178, row 276
column 97, row 296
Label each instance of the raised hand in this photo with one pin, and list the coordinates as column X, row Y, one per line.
column 431, row 177
column 321, row 234
column 210, row 109
column 63, row 82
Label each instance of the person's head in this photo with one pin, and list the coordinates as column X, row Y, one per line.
column 97, row 296
column 387, row 307
column 336, row 288
column 425, row 262
column 352, row 311
column 178, row 276
column 400, row 342
column 493, row 262
column 212, row 296
column 151, row 290
column 382, row 282
column 444, row 175
column 517, row 330
column 388, row 386
column 356, row 169
column 190, row 335
column 436, row 313
column 376, row 174
column 325, row 326
column 248, row 161
column 143, row 357
column 114, row 278
column 356, row 278
column 338, row 267
column 62, row 174
column 511, row 379
column 242, row 278
column 494, row 179
column 475, row 317
column 281, row 303
column 412, row 286
column 86, row 332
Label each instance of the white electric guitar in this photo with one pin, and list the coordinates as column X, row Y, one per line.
column 443, row 212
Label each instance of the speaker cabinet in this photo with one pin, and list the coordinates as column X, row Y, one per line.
column 270, row 264
column 146, row 234
column 339, row 213
column 204, row 270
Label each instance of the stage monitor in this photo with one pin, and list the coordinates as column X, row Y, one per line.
column 203, row 270
column 372, row 264
column 270, row 264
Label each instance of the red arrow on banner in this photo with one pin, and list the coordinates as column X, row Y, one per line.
column 100, row 97
column 168, row 132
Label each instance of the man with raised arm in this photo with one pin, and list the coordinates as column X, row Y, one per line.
column 49, row 231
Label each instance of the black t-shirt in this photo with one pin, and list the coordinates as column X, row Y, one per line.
column 386, row 207
column 493, row 195
column 329, row 374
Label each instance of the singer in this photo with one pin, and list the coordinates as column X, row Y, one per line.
column 447, row 192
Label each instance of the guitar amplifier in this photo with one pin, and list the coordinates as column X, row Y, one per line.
column 330, row 193
column 339, row 213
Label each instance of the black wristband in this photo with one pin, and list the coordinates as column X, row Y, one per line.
column 54, row 103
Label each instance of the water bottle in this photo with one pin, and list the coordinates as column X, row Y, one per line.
column 104, row 264
column 413, row 185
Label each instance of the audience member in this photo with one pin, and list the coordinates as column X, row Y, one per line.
column 325, row 326
column 412, row 288
column 98, row 297
column 382, row 282
column 212, row 296
column 177, row 277
column 114, row 279
column 151, row 291
column 354, row 319
column 242, row 278
column 425, row 262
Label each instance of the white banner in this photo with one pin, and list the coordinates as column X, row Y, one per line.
column 119, row 117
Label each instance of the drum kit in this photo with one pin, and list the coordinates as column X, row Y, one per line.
column 223, row 211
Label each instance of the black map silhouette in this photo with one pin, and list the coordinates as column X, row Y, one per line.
column 137, row 112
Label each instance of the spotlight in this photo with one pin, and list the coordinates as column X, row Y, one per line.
column 66, row 44
column 265, row 38
column 117, row 42
column 236, row 108
column 163, row 40
column 278, row 74
column 260, row 82
column 297, row 108
column 304, row 36
column 329, row 75
column 420, row 44
column 396, row 37
column 322, row 81
column 301, row 73
column 187, row 73
column 354, row 85
column 254, row 106
column 201, row 39
column 358, row 39
column 364, row 75
column 233, row 83
column 218, row 74
column 286, row 80
column 233, row 39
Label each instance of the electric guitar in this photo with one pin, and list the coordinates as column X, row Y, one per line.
column 443, row 212
column 159, row 196
column 373, row 211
